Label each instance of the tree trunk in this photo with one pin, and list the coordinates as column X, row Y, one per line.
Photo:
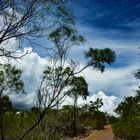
column 74, row 119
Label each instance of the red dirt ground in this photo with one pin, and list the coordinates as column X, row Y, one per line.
column 105, row 134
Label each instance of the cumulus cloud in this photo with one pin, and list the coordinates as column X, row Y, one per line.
column 32, row 66
column 109, row 102
column 115, row 83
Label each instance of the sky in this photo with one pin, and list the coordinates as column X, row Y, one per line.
column 103, row 23
column 114, row 24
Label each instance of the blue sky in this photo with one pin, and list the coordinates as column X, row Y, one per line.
column 121, row 16
column 103, row 23
column 111, row 23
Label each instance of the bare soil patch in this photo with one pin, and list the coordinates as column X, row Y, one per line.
column 105, row 134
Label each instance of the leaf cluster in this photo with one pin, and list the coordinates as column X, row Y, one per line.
column 97, row 58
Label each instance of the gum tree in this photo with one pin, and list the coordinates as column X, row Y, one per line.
column 10, row 83
column 79, row 87
column 26, row 22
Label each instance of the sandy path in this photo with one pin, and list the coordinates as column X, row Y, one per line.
column 105, row 134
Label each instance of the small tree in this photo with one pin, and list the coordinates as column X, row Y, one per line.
column 79, row 87
column 94, row 106
column 127, row 126
column 10, row 83
column 57, row 76
column 92, row 116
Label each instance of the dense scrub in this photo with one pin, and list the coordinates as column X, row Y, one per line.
column 57, row 123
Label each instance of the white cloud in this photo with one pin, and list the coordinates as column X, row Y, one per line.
column 114, row 81
column 32, row 67
column 118, row 82
column 109, row 102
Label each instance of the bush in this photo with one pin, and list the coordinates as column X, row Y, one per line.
column 127, row 126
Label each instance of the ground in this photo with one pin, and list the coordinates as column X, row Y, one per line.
column 105, row 134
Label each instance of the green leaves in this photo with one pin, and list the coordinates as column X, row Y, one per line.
column 66, row 34
column 58, row 73
column 96, row 104
column 6, row 103
column 10, row 79
column 127, row 126
column 79, row 87
column 60, row 32
column 98, row 58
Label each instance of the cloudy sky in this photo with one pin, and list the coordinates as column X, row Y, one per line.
column 104, row 23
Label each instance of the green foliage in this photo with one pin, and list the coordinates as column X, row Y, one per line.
column 79, row 87
column 96, row 104
column 6, row 104
column 110, row 119
column 59, row 73
column 127, row 126
column 16, row 124
column 10, row 80
column 92, row 116
column 86, row 118
column 56, row 124
column 67, row 34
column 39, row 18
column 97, row 58
column 35, row 110
column 64, row 38
column 54, row 84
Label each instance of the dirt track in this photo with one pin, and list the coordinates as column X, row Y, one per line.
column 105, row 134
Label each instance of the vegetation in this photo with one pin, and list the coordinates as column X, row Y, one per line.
column 26, row 22
column 127, row 125
column 79, row 88
column 57, row 123
column 10, row 83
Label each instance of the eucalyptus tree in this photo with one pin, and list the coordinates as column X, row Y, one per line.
column 78, row 87
column 58, row 75
column 94, row 106
column 90, row 109
column 127, row 126
column 10, row 83
column 55, row 83
column 24, row 22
